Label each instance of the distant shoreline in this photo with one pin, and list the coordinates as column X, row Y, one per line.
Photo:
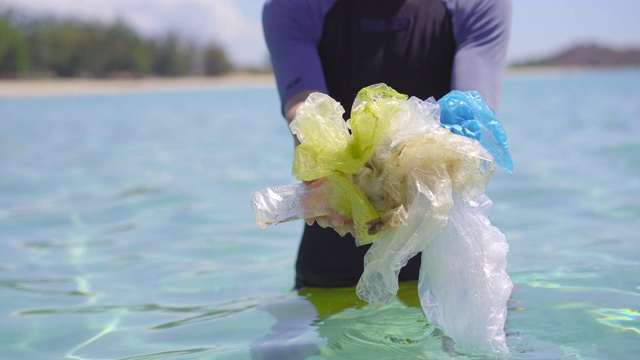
column 28, row 88
column 538, row 72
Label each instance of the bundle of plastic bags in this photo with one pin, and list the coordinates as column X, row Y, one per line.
column 411, row 175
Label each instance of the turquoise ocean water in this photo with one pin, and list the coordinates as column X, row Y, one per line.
column 126, row 231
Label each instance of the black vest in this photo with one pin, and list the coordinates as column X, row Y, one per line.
column 407, row 44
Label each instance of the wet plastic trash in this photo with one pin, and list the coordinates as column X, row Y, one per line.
column 411, row 183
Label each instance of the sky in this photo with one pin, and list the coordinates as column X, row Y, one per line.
column 540, row 27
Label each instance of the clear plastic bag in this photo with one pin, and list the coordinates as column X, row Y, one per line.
column 464, row 285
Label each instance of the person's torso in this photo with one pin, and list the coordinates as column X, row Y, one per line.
column 407, row 44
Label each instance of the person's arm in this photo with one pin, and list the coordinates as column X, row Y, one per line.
column 292, row 30
column 481, row 30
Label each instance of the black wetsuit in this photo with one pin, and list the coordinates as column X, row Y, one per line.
column 407, row 44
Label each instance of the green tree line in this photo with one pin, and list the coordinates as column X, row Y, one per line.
column 68, row 48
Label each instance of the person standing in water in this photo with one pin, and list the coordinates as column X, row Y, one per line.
column 423, row 48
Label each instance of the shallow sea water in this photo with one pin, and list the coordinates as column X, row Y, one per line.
column 126, row 231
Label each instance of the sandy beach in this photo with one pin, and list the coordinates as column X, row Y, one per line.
column 84, row 86
column 21, row 88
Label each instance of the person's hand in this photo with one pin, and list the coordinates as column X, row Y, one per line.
column 335, row 221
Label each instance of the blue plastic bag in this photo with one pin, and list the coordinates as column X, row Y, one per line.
column 467, row 114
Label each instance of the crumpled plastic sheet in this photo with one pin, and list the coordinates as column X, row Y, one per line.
column 282, row 203
column 430, row 180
